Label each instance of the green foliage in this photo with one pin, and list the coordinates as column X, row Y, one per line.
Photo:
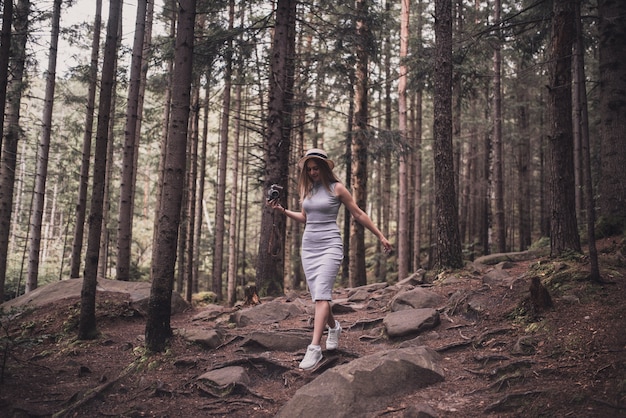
column 203, row 298
column 138, row 273
column 610, row 226
column 72, row 319
column 541, row 243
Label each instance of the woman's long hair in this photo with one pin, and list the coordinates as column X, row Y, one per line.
column 305, row 185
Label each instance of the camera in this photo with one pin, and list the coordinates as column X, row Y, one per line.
column 274, row 192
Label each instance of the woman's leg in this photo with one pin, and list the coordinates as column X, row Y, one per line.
column 323, row 316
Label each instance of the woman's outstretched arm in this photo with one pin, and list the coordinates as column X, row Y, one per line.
column 360, row 216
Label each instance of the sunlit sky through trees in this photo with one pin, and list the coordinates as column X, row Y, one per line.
column 80, row 12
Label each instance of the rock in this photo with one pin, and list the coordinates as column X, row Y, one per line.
column 359, row 295
column 477, row 304
column 226, row 376
column 362, row 385
column 416, row 299
column 493, row 259
column 210, row 313
column 414, row 279
column 277, row 341
column 505, row 265
column 410, row 321
column 138, row 293
column 265, row 313
column 209, row 338
column 570, row 298
column 497, row 277
column 344, row 307
column 419, row 411
column 524, row 346
column 362, row 293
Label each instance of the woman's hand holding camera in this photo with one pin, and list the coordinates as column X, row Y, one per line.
column 275, row 204
column 273, row 197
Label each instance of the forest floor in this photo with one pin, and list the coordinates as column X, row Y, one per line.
column 575, row 365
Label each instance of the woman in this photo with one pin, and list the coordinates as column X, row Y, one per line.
column 321, row 195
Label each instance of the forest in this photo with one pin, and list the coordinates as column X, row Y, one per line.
column 142, row 149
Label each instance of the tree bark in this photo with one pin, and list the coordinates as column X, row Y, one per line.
column 5, row 54
column 403, row 192
column 563, row 225
column 201, row 187
column 192, row 181
column 87, row 321
column 271, row 256
column 158, row 329
column 612, row 108
column 360, row 134
column 167, row 111
column 233, row 254
column 81, row 204
column 105, row 234
column 13, row 132
column 43, row 153
column 131, row 140
column 220, row 210
column 581, row 111
column 498, row 160
column 523, row 164
column 447, row 223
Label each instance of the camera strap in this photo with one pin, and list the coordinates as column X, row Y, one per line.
column 275, row 234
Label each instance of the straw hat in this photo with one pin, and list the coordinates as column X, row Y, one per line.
column 316, row 153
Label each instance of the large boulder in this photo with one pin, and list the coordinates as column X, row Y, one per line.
column 138, row 293
column 364, row 384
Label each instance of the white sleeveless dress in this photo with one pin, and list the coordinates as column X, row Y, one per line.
column 322, row 247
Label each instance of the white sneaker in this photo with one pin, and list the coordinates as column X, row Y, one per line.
column 311, row 358
column 332, row 342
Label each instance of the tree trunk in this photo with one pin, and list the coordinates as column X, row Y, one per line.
column 105, row 234
column 81, row 204
column 220, row 210
column 87, row 322
column 448, row 243
column 345, row 263
column 580, row 91
column 612, row 108
column 192, row 181
column 458, row 144
column 270, row 261
column 145, row 64
column 172, row 16
column 523, row 164
column 9, row 151
column 382, row 185
column 243, row 203
column 358, row 275
column 417, row 199
column 417, row 153
column 131, row 140
column 498, row 160
column 43, row 153
column 563, row 225
column 201, row 187
column 158, row 328
column 5, row 54
column 403, row 192
column 233, row 254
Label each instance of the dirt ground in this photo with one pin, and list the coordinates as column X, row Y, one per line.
column 500, row 359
